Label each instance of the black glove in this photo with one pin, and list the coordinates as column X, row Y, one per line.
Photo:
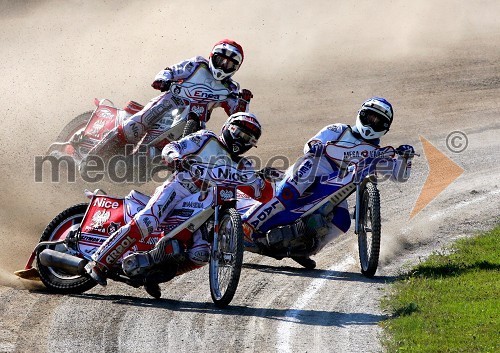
column 178, row 165
column 270, row 173
column 316, row 147
column 246, row 95
column 405, row 151
column 161, row 85
column 173, row 163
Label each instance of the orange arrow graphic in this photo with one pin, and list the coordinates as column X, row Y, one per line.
column 442, row 172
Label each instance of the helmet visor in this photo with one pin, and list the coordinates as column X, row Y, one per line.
column 224, row 63
column 244, row 137
column 376, row 121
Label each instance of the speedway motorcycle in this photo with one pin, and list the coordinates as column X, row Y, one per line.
column 188, row 111
column 67, row 243
column 301, row 238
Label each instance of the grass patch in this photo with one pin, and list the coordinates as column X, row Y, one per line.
column 450, row 302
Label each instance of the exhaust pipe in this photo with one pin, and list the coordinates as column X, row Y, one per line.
column 71, row 264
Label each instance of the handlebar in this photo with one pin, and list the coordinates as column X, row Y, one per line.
column 406, row 154
column 271, row 174
column 221, row 173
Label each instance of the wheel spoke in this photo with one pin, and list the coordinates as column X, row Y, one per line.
column 369, row 235
column 225, row 265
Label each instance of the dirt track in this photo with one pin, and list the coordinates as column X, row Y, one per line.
column 308, row 67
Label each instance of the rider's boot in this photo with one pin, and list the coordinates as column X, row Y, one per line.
column 151, row 283
column 249, row 241
column 305, row 261
column 96, row 272
column 187, row 266
column 156, row 276
column 153, row 289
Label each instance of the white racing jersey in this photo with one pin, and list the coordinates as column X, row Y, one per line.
column 345, row 136
column 186, row 68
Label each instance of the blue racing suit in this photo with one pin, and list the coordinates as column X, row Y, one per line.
column 300, row 184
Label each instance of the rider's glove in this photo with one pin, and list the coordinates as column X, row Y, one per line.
column 405, row 151
column 270, row 173
column 246, row 95
column 176, row 165
column 316, row 147
column 182, row 164
column 172, row 161
column 161, row 85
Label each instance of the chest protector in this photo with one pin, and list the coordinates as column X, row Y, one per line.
column 349, row 150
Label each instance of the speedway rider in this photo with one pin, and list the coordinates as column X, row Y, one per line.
column 373, row 121
column 224, row 60
column 239, row 133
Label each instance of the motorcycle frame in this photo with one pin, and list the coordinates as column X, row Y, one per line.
column 357, row 186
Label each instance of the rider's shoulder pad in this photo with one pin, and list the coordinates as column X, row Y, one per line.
column 338, row 127
column 199, row 59
column 205, row 133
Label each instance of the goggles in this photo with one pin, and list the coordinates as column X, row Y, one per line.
column 224, row 63
column 377, row 122
column 241, row 135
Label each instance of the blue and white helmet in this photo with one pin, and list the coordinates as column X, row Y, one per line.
column 374, row 118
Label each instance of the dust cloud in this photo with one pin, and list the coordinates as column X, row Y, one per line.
column 56, row 56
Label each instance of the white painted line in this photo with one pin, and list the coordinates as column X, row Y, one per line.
column 285, row 328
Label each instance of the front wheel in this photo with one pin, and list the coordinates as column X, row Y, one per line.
column 226, row 258
column 56, row 279
column 369, row 230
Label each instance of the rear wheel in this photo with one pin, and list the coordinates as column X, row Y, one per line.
column 192, row 125
column 226, row 258
column 56, row 279
column 78, row 123
column 369, row 230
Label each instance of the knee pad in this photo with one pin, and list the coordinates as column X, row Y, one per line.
column 199, row 254
column 146, row 223
column 133, row 131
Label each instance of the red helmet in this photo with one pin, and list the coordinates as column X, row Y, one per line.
column 225, row 59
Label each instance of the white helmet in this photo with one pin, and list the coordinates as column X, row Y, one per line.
column 225, row 59
column 374, row 118
column 240, row 132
